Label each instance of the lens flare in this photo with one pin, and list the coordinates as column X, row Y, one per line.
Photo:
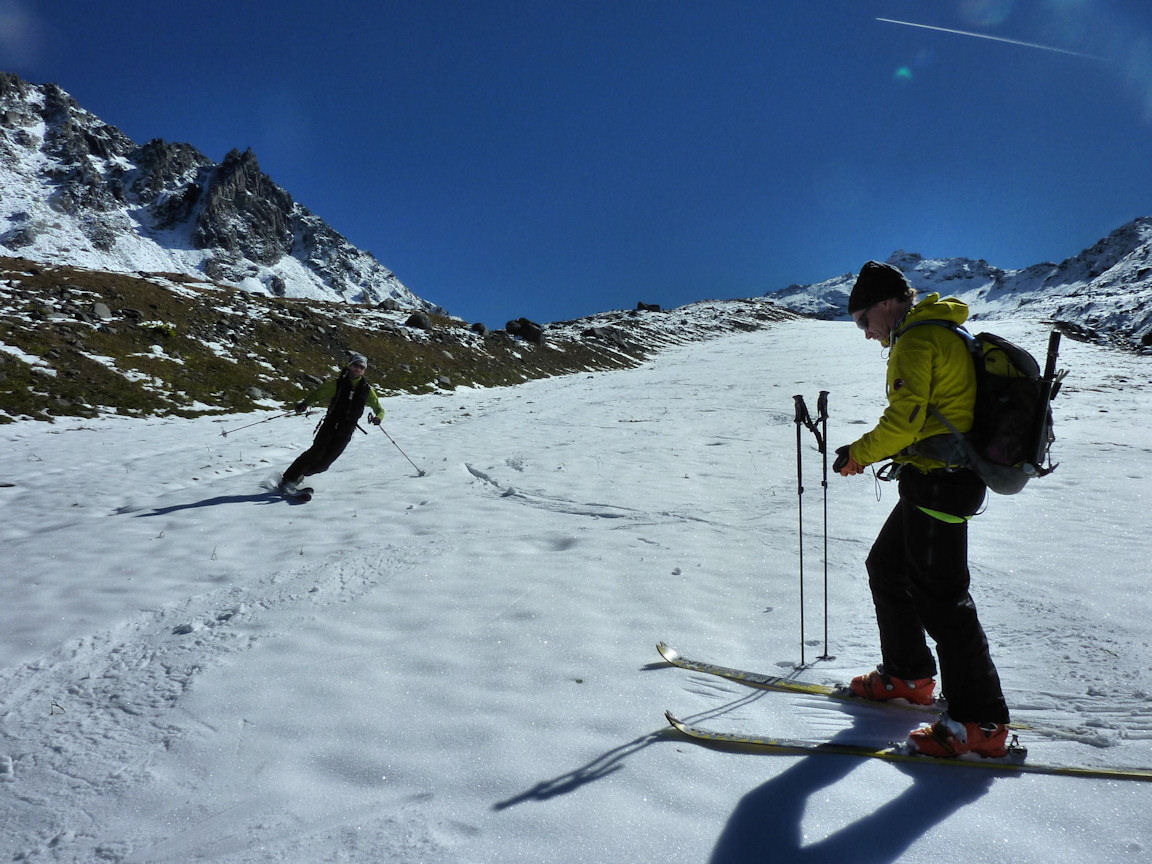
column 986, row 13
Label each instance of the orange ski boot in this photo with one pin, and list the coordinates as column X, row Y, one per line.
column 948, row 738
column 879, row 687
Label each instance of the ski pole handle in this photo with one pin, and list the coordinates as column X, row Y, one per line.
column 802, row 415
column 822, row 435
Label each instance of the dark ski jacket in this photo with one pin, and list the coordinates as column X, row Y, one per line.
column 346, row 399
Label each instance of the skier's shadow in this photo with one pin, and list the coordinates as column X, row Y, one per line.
column 767, row 825
column 259, row 498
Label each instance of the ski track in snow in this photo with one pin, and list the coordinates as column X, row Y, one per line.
column 111, row 694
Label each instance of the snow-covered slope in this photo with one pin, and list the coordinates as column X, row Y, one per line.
column 1104, row 291
column 461, row 667
column 75, row 190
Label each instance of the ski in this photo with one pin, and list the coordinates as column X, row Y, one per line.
column 1014, row 763
column 841, row 693
column 303, row 494
column 785, row 685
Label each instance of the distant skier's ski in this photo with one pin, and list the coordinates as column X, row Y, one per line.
column 303, row 494
column 785, row 685
column 1013, row 763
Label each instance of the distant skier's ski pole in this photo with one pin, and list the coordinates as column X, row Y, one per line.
column 226, row 432
column 419, row 471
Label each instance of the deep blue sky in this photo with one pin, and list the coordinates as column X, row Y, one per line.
column 555, row 158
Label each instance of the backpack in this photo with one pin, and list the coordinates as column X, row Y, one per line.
column 1011, row 433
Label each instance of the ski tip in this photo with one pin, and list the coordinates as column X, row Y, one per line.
column 667, row 651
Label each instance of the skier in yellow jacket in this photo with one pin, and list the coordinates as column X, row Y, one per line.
column 918, row 565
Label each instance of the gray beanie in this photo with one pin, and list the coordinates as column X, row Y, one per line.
column 876, row 283
column 358, row 358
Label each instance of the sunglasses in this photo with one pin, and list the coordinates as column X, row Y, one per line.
column 862, row 321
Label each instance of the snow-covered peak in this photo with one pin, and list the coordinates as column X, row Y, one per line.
column 75, row 190
column 1104, row 291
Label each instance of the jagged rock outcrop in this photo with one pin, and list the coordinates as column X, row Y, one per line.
column 168, row 180
column 244, row 212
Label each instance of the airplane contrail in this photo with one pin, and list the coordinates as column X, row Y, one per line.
column 992, row 38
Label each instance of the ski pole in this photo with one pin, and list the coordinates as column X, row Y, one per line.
column 226, row 432
column 822, row 419
column 801, row 418
column 419, row 471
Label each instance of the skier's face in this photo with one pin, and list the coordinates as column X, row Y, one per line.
column 876, row 321
column 356, row 369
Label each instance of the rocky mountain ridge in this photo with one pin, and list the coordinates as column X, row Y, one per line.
column 1103, row 293
column 75, row 190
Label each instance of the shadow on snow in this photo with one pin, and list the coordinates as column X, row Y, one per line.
column 258, row 498
column 767, row 824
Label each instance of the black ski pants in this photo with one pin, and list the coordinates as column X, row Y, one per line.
column 329, row 443
column 918, row 573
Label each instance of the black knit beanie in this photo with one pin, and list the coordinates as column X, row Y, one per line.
column 876, row 283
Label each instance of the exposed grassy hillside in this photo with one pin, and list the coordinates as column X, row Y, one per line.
column 81, row 342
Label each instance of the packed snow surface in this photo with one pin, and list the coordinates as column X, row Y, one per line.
column 461, row 667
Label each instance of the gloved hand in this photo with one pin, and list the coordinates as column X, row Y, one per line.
column 845, row 465
column 301, row 407
column 373, row 419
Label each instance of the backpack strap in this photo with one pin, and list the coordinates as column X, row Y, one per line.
column 971, row 341
column 961, row 446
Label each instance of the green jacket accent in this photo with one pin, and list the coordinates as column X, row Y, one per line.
column 944, row 517
column 926, row 366
column 323, row 394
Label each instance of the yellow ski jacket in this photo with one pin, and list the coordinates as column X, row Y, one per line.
column 927, row 365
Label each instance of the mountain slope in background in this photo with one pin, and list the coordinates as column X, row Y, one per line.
column 75, row 190
column 82, row 342
column 1104, row 293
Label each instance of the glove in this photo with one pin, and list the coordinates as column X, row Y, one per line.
column 301, row 407
column 842, row 458
column 373, row 419
column 845, row 465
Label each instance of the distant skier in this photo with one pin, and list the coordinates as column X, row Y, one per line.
column 347, row 397
column 918, row 565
